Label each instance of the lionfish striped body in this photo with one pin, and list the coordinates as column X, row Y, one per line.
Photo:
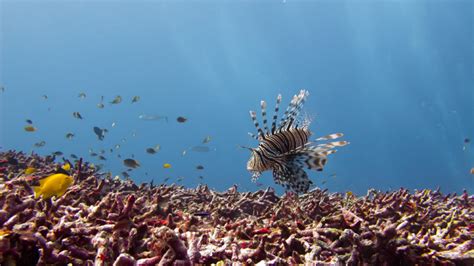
column 285, row 148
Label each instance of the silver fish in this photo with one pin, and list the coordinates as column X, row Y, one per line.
column 146, row 117
column 202, row 149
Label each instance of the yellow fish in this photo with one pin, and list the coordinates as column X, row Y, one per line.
column 166, row 165
column 53, row 185
column 30, row 128
column 30, row 170
column 66, row 167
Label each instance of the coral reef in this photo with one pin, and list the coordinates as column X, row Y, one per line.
column 102, row 220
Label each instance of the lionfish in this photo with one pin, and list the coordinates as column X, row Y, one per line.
column 285, row 148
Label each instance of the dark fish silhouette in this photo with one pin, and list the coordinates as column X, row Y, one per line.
column 100, row 133
column 181, row 119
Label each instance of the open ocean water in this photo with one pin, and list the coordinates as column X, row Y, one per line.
column 396, row 77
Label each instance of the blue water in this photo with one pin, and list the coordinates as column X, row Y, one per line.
column 395, row 77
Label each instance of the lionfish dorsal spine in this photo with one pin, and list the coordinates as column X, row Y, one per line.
column 253, row 115
column 293, row 110
column 263, row 107
column 275, row 115
column 253, row 135
column 287, row 111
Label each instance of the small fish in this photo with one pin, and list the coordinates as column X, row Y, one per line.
column 119, row 156
column 2, row 88
column 30, row 128
column 82, row 95
column 206, row 140
column 57, row 153
column 93, row 154
column 181, row 119
column 201, row 177
column 114, row 124
column 467, row 142
column 184, row 152
column 102, row 158
column 166, row 165
column 117, row 146
column 166, row 179
column 100, row 133
column 200, row 167
column 102, row 151
column 151, row 150
column 73, row 156
column 45, row 97
column 77, row 115
column 29, row 121
column 152, row 117
column 125, row 174
column 349, row 194
column 333, row 175
column 201, row 149
column 30, row 170
column 131, row 163
column 69, row 136
column 135, row 99
column 53, row 185
column 324, row 182
column 179, row 179
column 116, row 100
column 100, row 105
column 66, row 167
column 40, row 144
column 472, row 171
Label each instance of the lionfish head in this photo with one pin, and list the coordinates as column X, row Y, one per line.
column 252, row 165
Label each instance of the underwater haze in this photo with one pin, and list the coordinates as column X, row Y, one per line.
column 396, row 77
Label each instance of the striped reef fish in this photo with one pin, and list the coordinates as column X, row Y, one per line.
column 285, row 148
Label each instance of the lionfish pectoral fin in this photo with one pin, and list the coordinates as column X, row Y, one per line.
column 310, row 157
column 330, row 136
column 292, row 177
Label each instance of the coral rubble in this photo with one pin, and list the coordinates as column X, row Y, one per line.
column 103, row 221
